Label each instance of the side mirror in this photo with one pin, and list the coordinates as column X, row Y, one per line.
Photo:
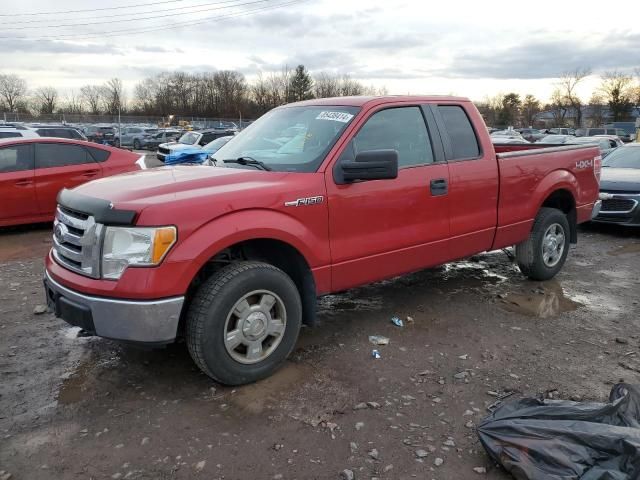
column 369, row 165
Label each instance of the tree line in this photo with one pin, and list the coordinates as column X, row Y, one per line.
column 228, row 93
column 225, row 93
column 617, row 94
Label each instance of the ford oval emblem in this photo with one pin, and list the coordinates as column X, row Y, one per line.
column 60, row 232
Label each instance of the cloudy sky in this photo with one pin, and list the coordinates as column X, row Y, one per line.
column 469, row 48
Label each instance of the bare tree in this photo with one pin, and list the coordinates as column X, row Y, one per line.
column 112, row 94
column 616, row 89
column 12, row 90
column 567, row 86
column 91, row 95
column 46, row 99
column 72, row 103
column 559, row 107
column 326, row 85
column 530, row 108
column 596, row 107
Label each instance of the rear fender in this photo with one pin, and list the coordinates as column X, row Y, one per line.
column 554, row 181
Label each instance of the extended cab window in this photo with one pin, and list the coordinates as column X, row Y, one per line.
column 464, row 143
column 16, row 158
column 401, row 129
column 59, row 155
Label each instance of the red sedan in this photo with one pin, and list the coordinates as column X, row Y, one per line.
column 34, row 170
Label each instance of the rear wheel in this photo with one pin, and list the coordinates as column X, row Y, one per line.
column 543, row 254
column 136, row 144
column 243, row 322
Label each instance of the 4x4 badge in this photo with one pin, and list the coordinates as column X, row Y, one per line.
column 305, row 201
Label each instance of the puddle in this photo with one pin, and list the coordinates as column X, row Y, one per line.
column 548, row 300
column 23, row 244
column 74, row 387
column 631, row 248
column 335, row 304
column 255, row 398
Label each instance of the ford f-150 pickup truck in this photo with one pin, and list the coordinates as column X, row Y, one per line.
column 314, row 197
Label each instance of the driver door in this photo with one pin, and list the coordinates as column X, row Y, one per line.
column 383, row 228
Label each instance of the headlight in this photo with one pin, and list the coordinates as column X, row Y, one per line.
column 133, row 246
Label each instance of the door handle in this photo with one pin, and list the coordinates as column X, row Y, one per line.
column 25, row 182
column 90, row 173
column 439, row 186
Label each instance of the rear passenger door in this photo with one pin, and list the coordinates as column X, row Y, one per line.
column 474, row 180
column 58, row 166
column 17, row 190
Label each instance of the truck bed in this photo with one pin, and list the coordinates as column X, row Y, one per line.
column 535, row 171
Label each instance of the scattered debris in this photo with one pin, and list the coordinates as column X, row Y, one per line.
column 461, row 375
column 410, row 320
column 378, row 340
column 397, row 322
column 464, row 357
column 359, row 425
column 200, row 465
column 40, row 309
column 622, row 341
column 373, row 453
column 438, row 461
column 376, row 354
column 479, row 469
column 347, row 474
column 421, row 453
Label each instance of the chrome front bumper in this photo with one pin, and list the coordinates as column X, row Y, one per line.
column 152, row 321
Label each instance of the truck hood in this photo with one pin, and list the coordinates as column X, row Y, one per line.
column 620, row 179
column 137, row 190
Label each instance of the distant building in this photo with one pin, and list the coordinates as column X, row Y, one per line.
column 592, row 116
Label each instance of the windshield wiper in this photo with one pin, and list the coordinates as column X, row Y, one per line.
column 249, row 161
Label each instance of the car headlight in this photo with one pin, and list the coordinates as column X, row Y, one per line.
column 134, row 246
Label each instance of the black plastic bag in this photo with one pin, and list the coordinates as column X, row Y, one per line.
column 539, row 439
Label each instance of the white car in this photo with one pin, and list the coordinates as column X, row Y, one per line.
column 17, row 131
column 188, row 140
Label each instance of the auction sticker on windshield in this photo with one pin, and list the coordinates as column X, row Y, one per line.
column 335, row 116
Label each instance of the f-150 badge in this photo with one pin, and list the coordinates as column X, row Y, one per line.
column 305, row 201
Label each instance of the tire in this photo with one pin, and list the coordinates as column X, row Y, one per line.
column 136, row 144
column 540, row 257
column 116, row 143
column 217, row 312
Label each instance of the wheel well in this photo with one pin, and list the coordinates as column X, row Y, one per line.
column 275, row 252
column 563, row 200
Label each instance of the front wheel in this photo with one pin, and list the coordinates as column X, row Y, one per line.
column 136, row 144
column 243, row 322
column 543, row 254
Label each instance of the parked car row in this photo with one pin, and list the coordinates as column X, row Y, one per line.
column 191, row 139
column 33, row 171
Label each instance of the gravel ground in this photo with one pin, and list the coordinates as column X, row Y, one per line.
column 73, row 408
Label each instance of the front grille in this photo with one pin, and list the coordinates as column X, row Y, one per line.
column 76, row 241
column 622, row 205
column 164, row 150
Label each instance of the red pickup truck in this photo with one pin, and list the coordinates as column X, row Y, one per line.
column 315, row 197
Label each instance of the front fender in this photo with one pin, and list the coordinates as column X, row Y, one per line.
column 236, row 227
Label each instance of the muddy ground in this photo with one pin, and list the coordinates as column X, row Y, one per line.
column 79, row 408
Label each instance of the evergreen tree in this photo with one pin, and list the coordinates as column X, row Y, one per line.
column 301, row 86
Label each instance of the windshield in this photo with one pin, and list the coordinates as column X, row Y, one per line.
column 189, row 138
column 290, row 139
column 623, row 157
column 216, row 144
